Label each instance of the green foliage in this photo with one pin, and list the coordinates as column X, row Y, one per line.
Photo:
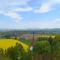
column 42, row 47
column 18, row 52
column 27, row 56
column 4, row 58
column 57, row 37
column 1, row 51
column 41, row 38
column 42, row 50
column 56, row 49
column 28, row 42
column 15, row 52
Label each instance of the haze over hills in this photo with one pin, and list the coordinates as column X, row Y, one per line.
column 54, row 30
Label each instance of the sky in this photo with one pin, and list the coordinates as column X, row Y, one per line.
column 29, row 14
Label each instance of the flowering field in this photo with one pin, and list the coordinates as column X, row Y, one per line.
column 6, row 43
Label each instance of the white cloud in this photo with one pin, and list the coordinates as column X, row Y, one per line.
column 26, row 9
column 47, row 6
column 14, row 16
column 44, row 8
column 11, row 7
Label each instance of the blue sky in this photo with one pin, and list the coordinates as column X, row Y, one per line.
column 29, row 14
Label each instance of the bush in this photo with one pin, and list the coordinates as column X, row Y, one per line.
column 41, row 49
column 15, row 52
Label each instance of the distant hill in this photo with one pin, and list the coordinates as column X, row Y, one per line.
column 55, row 30
column 14, row 33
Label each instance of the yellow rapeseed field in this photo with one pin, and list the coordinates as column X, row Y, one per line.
column 6, row 43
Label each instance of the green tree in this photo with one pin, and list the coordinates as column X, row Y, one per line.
column 56, row 50
column 15, row 52
column 41, row 50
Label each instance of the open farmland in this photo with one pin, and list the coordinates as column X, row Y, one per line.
column 36, row 36
column 6, row 43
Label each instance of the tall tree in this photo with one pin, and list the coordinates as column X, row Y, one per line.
column 41, row 49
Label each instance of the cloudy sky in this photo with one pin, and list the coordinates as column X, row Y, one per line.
column 29, row 14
